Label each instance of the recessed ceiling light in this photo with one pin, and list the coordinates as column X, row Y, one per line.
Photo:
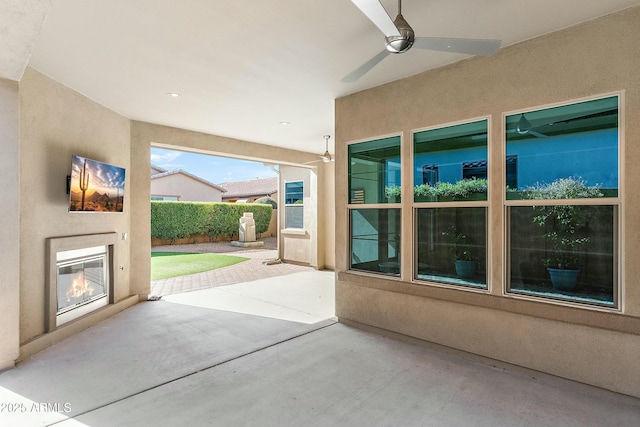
column 174, row 94
column 285, row 123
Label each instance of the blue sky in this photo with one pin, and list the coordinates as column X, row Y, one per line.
column 212, row 168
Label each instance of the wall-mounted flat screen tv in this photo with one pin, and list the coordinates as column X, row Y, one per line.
column 95, row 186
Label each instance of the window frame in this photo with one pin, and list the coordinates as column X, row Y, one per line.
column 300, row 205
column 415, row 206
column 165, row 198
column 616, row 202
column 359, row 204
column 497, row 233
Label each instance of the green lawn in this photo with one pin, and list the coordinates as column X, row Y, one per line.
column 172, row 264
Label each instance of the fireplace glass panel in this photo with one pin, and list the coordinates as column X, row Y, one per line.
column 80, row 282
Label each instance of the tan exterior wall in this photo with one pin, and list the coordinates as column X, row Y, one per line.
column 588, row 345
column 10, row 230
column 312, row 245
column 56, row 123
column 42, row 124
column 295, row 244
column 184, row 187
column 326, row 214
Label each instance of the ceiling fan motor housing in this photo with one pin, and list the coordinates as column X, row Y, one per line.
column 403, row 42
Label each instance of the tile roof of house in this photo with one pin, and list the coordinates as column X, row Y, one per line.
column 158, row 168
column 197, row 178
column 252, row 187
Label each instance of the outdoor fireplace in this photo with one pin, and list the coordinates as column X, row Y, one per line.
column 81, row 283
column 80, row 276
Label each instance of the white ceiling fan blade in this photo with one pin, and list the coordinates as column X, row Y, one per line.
column 481, row 47
column 364, row 68
column 376, row 14
column 529, row 132
column 322, row 159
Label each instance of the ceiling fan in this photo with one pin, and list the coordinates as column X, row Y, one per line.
column 400, row 38
column 326, row 157
column 523, row 127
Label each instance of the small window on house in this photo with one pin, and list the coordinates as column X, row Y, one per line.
column 429, row 175
column 164, row 198
column 478, row 170
column 294, row 204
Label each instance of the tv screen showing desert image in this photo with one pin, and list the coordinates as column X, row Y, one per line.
column 95, row 186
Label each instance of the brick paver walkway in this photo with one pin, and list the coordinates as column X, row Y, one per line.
column 250, row 270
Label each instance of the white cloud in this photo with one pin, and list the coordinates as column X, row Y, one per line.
column 165, row 158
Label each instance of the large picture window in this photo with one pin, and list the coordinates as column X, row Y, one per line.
column 563, row 210
column 450, row 194
column 374, row 221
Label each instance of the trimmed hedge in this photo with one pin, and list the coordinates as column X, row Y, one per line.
column 267, row 200
column 175, row 220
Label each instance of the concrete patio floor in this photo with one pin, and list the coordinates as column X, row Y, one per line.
column 268, row 353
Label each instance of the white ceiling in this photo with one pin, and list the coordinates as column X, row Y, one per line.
column 242, row 67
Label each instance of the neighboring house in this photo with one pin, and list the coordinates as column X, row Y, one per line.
column 251, row 190
column 179, row 185
column 156, row 170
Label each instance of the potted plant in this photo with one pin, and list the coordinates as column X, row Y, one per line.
column 565, row 227
column 464, row 260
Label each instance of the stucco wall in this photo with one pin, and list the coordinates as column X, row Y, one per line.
column 10, row 230
column 55, row 123
column 296, row 243
column 589, row 345
column 326, row 214
column 312, row 245
column 185, row 187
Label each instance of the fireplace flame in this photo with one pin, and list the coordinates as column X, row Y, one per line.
column 79, row 287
